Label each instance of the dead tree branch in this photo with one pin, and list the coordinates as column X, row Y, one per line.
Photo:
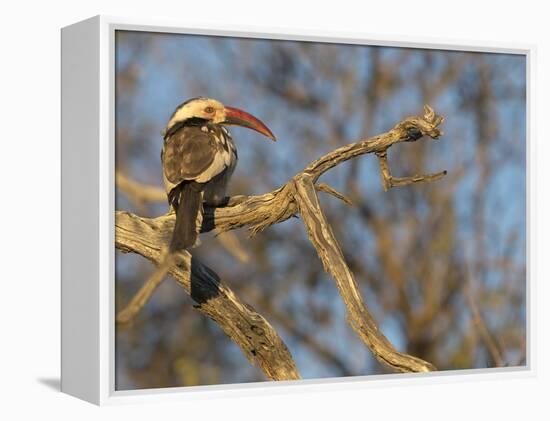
column 147, row 237
column 320, row 234
column 139, row 194
column 389, row 181
column 257, row 339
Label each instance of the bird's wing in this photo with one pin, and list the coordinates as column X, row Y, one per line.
column 187, row 154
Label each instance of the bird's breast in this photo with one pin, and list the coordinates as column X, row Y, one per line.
column 225, row 158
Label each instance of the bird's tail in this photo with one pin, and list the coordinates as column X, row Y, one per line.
column 187, row 202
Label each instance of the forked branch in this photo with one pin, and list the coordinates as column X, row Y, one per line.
column 248, row 329
column 257, row 339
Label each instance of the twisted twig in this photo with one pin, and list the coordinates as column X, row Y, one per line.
column 298, row 195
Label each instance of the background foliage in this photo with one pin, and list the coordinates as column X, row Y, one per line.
column 442, row 265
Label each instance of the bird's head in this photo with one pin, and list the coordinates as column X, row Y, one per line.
column 213, row 111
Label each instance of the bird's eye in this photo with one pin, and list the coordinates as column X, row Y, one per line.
column 209, row 110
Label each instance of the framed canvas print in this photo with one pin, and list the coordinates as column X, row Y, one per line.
column 244, row 212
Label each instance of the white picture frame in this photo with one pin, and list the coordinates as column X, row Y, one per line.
column 88, row 327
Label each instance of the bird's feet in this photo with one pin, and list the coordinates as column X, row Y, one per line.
column 234, row 200
column 226, row 202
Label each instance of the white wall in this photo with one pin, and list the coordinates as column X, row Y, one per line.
column 30, row 163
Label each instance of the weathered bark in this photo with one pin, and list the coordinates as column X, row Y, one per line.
column 321, row 236
column 257, row 339
column 245, row 327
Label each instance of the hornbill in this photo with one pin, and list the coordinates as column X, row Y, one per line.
column 198, row 158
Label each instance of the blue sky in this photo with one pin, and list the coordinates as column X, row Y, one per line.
column 173, row 68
